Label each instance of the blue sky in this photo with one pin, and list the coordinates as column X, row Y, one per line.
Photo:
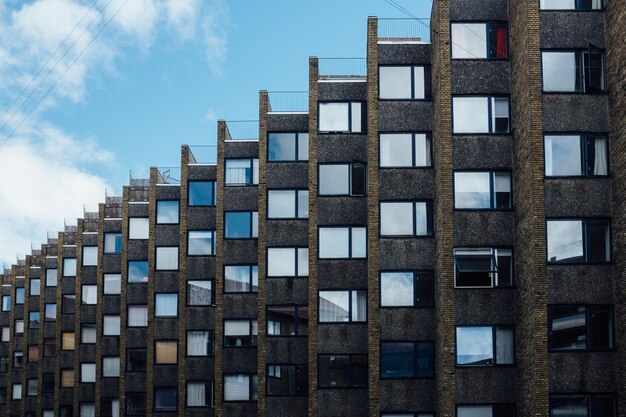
column 154, row 74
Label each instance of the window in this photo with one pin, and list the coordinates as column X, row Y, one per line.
column 51, row 277
column 485, row 410
column 342, row 306
column 579, row 327
column 342, row 371
column 19, row 327
column 166, row 305
column 342, row 242
column 407, row 289
column 241, row 224
column 287, row 147
column 346, row 117
column 47, row 383
column 33, row 354
column 35, row 286
column 287, row 262
column 199, row 343
column 407, row 360
column 6, row 303
column 166, row 352
column 137, row 271
column 136, row 360
column 201, row 242
column 405, row 150
column 165, row 399
column 479, row 40
column 112, row 243
column 241, row 172
column 31, row 387
column 88, row 334
column 590, row 405
column 4, row 396
column 571, row 4
column 89, row 294
column 241, row 278
column 199, row 394
column 136, row 403
column 404, row 82
column 138, row 228
column 240, row 387
column 17, row 392
column 6, row 334
column 287, row 204
column 199, row 293
column 51, row 312
column 240, row 333
column 482, row 190
column 573, row 71
column 18, row 359
column 67, row 378
column 480, row 115
column 287, row 320
column 90, row 256
column 167, row 258
column 201, row 193
column 68, row 304
column 579, row 241
column 576, row 155
column 19, row 295
column 110, row 366
column 112, row 284
column 68, row 340
column 283, row 380
column 167, row 212
column 49, row 347
column 485, row 345
column 87, row 372
column 69, row 267
column 87, row 410
column 137, row 316
column 407, row 415
column 483, row 268
column 111, row 326
column 110, row 407
column 342, row 179
column 33, row 320
column 406, row 218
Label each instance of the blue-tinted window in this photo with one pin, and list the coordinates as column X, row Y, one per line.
column 407, row 360
column 485, row 345
column 241, row 278
column 112, row 243
column 6, row 303
column 201, row 193
column 241, row 172
column 201, row 242
column 167, row 212
column 33, row 320
column 288, row 147
column 165, row 399
column 138, row 271
column 241, row 224
column 19, row 296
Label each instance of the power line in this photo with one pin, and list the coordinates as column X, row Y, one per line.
column 65, row 72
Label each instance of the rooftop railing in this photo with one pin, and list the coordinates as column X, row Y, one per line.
column 404, row 29
column 242, row 130
column 202, row 154
column 169, row 175
column 342, row 68
column 288, row 101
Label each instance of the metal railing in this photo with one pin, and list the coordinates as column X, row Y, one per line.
column 169, row 175
column 242, row 130
column 288, row 101
column 202, row 154
column 342, row 68
column 404, row 29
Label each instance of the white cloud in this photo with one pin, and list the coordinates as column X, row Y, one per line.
column 210, row 115
column 215, row 25
column 136, row 18
column 182, row 15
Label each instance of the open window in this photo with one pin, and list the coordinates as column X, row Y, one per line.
column 483, row 268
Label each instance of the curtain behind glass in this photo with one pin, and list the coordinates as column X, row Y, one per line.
column 600, row 163
column 196, row 395
column 359, row 306
column 87, row 410
column 504, row 346
column 137, row 316
column 197, row 343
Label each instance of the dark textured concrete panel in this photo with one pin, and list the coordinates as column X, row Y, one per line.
column 482, row 152
column 580, row 284
column 169, row 191
column 582, row 372
column 485, row 306
column 166, row 281
column 342, row 211
column 136, row 338
column 342, row 338
column 405, row 394
column 90, row 239
column 201, row 218
column 405, row 116
column 406, row 184
column 342, row 402
column 293, row 350
column 575, row 30
column 575, row 113
column 421, row 324
column 241, row 198
column 239, row 409
column 287, row 291
column 111, row 304
column 480, row 77
column 200, row 267
column 111, row 264
column 242, row 251
column 166, row 235
column 342, row 274
column 199, row 318
column 165, row 328
column 137, row 293
column 341, row 148
column 485, row 385
column 109, row 225
column 201, row 172
column 330, row 91
column 287, row 233
column 480, row 11
column 198, row 368
column 242, row 359
column 242, row 306
column 483, row 228
column 137, row 250
column 89, row 275
column 138, row 210
column 287, row 175
column 278, row 122
column 593, row 197
column 407, row 253
column 404, row 54
column 241, row 149
column 286, row 406
column 137, row 380
column 165, row 375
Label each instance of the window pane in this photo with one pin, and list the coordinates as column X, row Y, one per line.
column 201, row 193
column 359, row 306
column 397, row 360
column 166, row 352
column 422, row 150
column 137, row 316
column 166, row 305
column 561, row 71
column 68, row 341
column 469, row 40
column 500, row 110
column 358, row 180
column 281, row 321
column 601, row 322
column 136, row 404
column 281, row 146
column 51, row 277
column 334, row 371
column 201, row 243
column 474, row 411
column 238, row 225
column 474, row 346
column 35, row 286
column 303, row 146
column 197, row 343
column 51, row 312
column 470, row 114
column 563, row 155
column 356, row 115
column 136, row 360
column 334, row 306
column 236, row 387
column 88, row 372
column 568, row 327
column 165, row 399
column 505, row 346
column 303, row 262
column 90, row 256
column 359, row 242
column 199, row 292
column 166, row 258
column 419, row 82
column 472, row 190
column 396, row 219
column 333, row 117
column 303, row 204
column 112, row 283
column 88, row 333
column 597, row 156
column 111, row 366
column 167, row 212
column 111, row 326
column 395, row 82
column 334, row 179
column 197, row 395
column 287, row 380
column 138, row 228
column 281, row 262
column 502, row 190
column 89, row 294
column 599, row 242
column 281, row 204
column 137, row 271
column 565, row 240
column 570, row 406
column 559, row 4
column 396, row 289
column 112, row 243
column 237, row 278
column 396, row 150
column 69, row 267
column 334, row 242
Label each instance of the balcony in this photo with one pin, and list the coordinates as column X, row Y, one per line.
column 403, row 30
column 242, row 130
column 342, row 69
column 288, row 101
column 202, row 155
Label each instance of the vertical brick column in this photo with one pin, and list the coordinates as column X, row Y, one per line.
column 530, row 224
column 42, row 325
column 616, row 64
column 154, row 175
column 219, row 265
column 10, row 379
column 42, row 287
column 77, row 313
column 262, row 232
column 444, row 233
column 182, row 281
column 123, row 301
column 312, row 341
column 99, row 301
column 373, row 293
column 30, row 261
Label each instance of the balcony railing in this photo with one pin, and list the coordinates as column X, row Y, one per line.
column 242, row 130
column 288, row 101
column 168, row 175
column 202, row 154
column 403, row 30
column 342, row 68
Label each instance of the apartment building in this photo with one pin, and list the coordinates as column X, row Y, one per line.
column 434, row 230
